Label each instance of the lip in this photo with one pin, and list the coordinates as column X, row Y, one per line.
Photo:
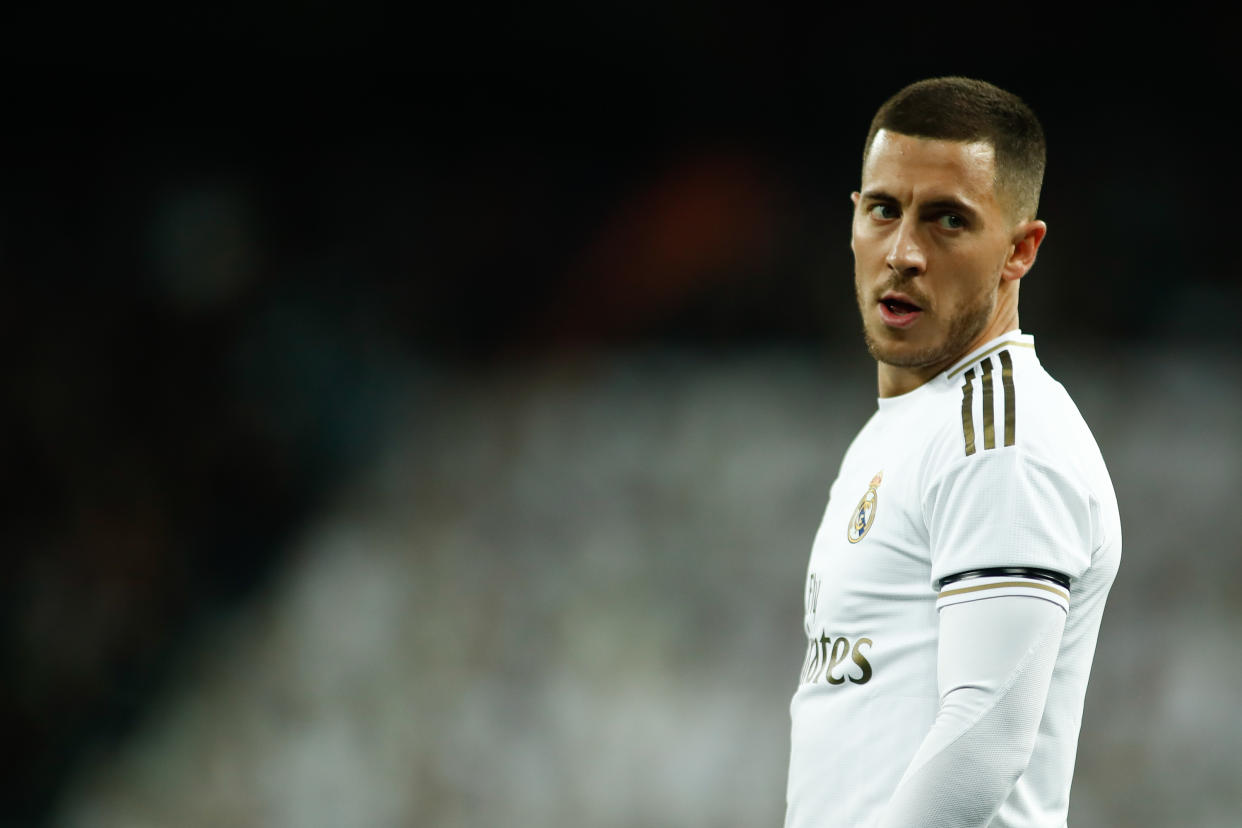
column 898, row 320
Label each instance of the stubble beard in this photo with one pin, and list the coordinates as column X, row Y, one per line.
column 964, row 327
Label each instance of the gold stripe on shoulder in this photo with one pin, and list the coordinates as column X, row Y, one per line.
column 989, row 427
column 1010, row 410
column 968, row 420
column 1015, row 343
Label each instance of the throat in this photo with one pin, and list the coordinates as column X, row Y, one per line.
column 895, row 380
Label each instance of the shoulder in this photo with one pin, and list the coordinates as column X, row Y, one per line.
column 1003, row 398
column 1019, row 472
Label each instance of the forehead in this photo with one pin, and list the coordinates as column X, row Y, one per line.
column 902, row 165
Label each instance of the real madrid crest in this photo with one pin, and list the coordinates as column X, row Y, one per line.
column 864, row 512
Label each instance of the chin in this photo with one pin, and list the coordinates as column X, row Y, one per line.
column 903, row 354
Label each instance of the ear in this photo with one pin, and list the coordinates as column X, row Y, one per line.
column 854, row 197
column 1027, row 237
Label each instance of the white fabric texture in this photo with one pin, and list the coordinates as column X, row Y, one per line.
column 995, row 663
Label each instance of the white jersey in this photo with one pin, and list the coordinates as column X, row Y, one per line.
column 987, row 469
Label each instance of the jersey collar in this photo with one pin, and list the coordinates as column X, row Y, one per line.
column 1014, row 338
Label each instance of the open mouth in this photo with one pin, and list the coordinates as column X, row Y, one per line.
column 898, row 312
column 899, row 307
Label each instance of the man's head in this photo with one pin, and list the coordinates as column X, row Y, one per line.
column 962, row 109
column 944, row 224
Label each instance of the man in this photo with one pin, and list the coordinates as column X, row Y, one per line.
column 957, row 581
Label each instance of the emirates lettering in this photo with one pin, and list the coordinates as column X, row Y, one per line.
column 837, row 660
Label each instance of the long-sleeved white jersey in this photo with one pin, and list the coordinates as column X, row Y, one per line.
column 983, row 483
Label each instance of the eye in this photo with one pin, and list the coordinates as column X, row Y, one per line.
column 951, row 221
column 882, row 211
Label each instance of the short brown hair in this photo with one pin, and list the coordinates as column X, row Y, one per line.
column 962, row 109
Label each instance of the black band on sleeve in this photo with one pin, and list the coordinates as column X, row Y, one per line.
column 1011, row 572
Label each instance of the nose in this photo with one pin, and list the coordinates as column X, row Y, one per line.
column 906, row 257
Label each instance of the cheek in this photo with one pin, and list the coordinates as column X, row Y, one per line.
column 981, row 274
column 865, row 246
column 966, row 284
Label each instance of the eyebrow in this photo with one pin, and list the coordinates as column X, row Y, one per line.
column 950, row 204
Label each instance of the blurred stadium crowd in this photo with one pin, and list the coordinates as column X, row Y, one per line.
column 448, row 453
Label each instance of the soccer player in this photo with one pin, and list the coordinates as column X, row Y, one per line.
column 956, row 583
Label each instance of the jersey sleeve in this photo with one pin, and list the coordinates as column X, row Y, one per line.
column 1005, row 510
column 994, row 667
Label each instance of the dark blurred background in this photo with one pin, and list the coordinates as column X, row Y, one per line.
column 555, row 308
